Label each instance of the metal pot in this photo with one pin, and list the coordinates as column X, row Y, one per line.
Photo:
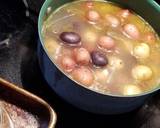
column 80, row 96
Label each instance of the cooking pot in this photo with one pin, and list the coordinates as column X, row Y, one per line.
column 79, row 95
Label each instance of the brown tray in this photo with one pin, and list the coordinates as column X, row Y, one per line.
column 28, row 102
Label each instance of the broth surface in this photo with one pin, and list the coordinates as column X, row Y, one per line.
column 103, row 47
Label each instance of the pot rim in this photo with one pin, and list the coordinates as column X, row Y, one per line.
column 40, row 22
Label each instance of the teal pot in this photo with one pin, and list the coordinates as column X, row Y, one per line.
column 78, row 95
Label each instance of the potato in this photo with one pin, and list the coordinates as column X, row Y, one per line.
column 101, row 75
column 142, row 72
column 112, row 20
column 106, row 42
column 131, row 31
column 89, row 4
column 141, row 51
column 67, row 63
column 131, row 90
column 93, row 16
column 124, row 13
column 83, row 75
column 82, row 56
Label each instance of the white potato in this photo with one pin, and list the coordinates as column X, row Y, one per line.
column 131, row 90
column 141, row 51
column 142, row 72
column 101, row 75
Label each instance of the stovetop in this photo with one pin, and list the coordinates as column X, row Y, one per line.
column 18, row 64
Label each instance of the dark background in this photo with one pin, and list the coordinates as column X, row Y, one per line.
column 18, row 64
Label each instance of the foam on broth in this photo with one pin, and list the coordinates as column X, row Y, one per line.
column 127, row 70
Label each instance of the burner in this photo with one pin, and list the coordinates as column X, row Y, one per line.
column 33, row 5
column 11, row 15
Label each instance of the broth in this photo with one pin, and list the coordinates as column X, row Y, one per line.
column 103, row 47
